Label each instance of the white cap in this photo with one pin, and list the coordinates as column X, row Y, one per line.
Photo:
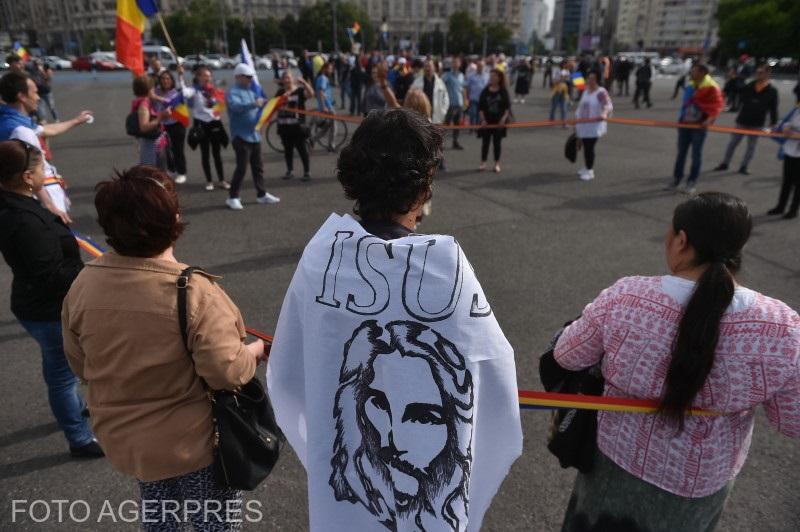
column 243, row 69
column 401, row 61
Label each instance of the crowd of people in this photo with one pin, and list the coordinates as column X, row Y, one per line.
column 407, row 446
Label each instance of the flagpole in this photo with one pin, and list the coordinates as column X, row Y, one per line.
column 166, row 34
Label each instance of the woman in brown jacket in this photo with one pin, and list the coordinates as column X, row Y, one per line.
column 150, row 411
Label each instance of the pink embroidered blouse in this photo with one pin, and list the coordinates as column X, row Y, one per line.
column 630, row 327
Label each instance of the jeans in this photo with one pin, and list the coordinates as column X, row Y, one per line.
column 62, row 385
column 689, row 138
column 247, row 152
column 736, row 138
column 453, row 116
column 473, row 113
column 791, row 183
column 209, row 145
column 557, row 102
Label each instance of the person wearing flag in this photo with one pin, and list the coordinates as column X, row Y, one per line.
column 168, row 98
column 207, row 102
column 392, row 390
column 702, row 104
column 245, row 108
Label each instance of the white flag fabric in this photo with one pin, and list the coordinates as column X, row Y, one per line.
column 393, row 382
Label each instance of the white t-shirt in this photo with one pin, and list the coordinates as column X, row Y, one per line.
column 57, row 193
column 592, row 105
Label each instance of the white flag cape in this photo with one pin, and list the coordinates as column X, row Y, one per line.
column 393, row 382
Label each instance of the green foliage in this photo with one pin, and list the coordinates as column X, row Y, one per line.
column 498, row 38
column 194, row 29
column 315, row 25
column 768, row 28
column 463, row 35
column 94, row 40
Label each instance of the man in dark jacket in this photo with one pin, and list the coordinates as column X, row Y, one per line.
column 757, row 99
column 644, row 79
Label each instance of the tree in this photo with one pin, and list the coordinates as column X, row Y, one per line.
column 192, row 29
column 94, row 40
column 315, row 25
column 760, row 28
column 498, row 38
column 463, row 35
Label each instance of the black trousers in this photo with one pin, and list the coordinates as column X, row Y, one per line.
column 293, row 139
column 247, row 152
column 495, row 136
column 791, row 183
column 209, row 145
column 176, row 162
column 644, row 90
column 588, row 152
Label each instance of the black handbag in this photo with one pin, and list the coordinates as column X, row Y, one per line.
column 573, row 432
column 571, row 148
column 196, row 135
column 247, row 438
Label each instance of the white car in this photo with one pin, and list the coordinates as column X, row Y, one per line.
column 226, row 62
column 192, row 61
column 263, row 62
column 673, row 67
column 57, row 63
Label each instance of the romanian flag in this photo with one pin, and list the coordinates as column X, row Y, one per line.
column 269, row 109
column 706, row 96
column 179, row 111
column 356, row 27
column 578, row 82
column 219, row 97
column 89, row 246
column 21, row 52
column 131, row 16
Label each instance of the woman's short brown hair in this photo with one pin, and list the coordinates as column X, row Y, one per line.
column 142, row 85
column 139, row 212
column 417, row 100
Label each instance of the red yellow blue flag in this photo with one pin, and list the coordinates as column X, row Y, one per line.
column 179, row 110
column 131, row 18
column 269, row 110
column 21, row 52
column 578, row 81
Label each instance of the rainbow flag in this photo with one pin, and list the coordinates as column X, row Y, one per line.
column 131, row 17
column 179, row 110
column 21, row 52
column 578, row 82
column 269, row 109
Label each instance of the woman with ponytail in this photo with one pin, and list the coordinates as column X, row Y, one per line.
column 692, row 339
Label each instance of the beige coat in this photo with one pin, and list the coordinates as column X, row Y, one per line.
column 149, row 409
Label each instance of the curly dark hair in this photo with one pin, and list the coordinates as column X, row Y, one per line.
column 389, row 163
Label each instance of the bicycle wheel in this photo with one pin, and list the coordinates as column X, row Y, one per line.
column 331, row 142
column 273, row 139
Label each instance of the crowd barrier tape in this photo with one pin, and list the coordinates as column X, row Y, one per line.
column 571, row 122
column 528, row 399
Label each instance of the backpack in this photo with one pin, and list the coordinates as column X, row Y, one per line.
column 132, row 127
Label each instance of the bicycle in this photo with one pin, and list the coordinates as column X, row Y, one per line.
column 320, row 134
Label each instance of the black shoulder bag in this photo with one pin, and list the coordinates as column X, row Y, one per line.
column 247, row 438
column 573, row 432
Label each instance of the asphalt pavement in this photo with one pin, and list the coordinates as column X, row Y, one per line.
column 542, row 242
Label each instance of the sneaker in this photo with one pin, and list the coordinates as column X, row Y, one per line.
column 775, row 211
column 180, row 179
column 522, row 100
column 587, row 175
column 482, row 167
column 234, row 204
column 288, row 175
column 688, row 189
column 306, row 177
column 721, row 167
column 209, row 186
column 582, row 170
column 743, row 170
column 90, row 450
column 224, row 185
column 268, row 199
column 496, row 168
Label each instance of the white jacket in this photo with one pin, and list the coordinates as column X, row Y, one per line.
column 441, row 101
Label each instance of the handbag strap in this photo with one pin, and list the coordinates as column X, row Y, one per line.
column 183, row 319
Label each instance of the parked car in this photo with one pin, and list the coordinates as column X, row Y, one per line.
column 194, row 60
column 168, row 59
column 56, row 63
column 673, row 66
column 100, row 63
column 224, row 61
column 107, row 57
column 263, row 62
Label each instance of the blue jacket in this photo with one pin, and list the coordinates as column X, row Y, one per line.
column 11, row 119
column 243, row 113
